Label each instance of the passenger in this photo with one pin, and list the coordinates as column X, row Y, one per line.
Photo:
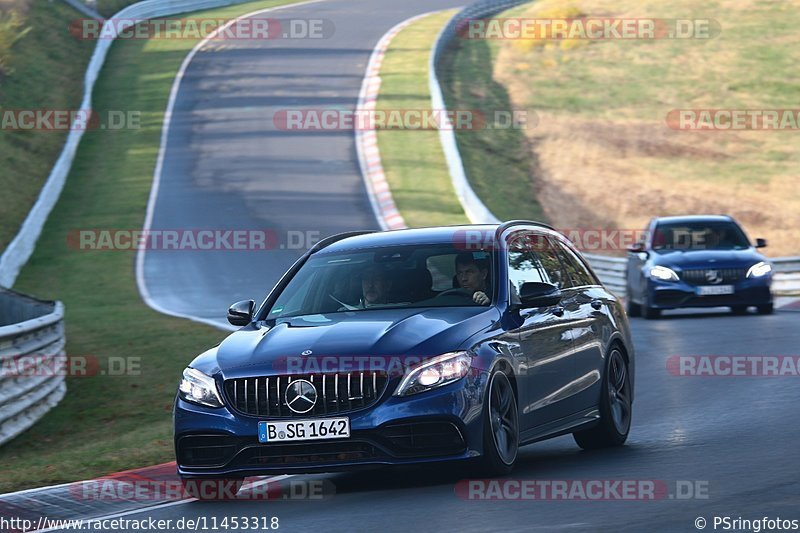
column 375, row 286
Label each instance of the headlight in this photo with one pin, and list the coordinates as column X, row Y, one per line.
column 663, row 273
column 199, row 388
column 439, row 371
column 759, row 270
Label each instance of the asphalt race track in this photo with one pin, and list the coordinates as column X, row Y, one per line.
column 228, row 167
column 733, row 439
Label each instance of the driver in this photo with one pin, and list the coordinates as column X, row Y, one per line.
column 472, row 275
column 375, row 286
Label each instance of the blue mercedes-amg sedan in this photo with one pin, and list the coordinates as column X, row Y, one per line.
column 412, row 346
column 697, row 261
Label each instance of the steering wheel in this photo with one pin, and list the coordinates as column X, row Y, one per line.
column 456, row 291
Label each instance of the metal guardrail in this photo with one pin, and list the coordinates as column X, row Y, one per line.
column 610, row 270
column 786, row 279
column 21, row 247
column 28, row 327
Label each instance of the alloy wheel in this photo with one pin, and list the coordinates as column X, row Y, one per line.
column 503, row 418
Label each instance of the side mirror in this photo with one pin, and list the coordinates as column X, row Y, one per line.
column 535, row 294
column 241, row 313
column 637, row 248
column 761, row 243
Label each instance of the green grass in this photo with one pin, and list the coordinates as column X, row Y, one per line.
column 108, row 8
column 108, row 424
column 751, row 61
column 413, row 159
column 496, row 161
column 46, row 72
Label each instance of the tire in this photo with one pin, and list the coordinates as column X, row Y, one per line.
column 500, row 427
column 633, row 309
column 766, row 309
column 616, row 407
column 739, row 309
column 649, row 312
column 212, row 489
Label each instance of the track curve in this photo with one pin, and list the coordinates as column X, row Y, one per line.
column 227, row 167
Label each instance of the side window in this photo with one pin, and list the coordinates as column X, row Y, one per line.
column 552, row 265
column 523, row 265
column 576, row 270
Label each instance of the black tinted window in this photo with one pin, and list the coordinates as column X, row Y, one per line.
column 577, row 272
column 375, row 278
column 551, row 263
column 533, row 258
column 523, row 265
column 716, row 235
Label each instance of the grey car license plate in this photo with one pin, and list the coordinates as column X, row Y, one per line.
column 297, row 430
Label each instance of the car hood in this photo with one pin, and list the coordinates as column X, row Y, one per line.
column 708, row 258
column 402, row 334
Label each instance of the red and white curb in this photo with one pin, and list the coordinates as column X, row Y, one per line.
column 119, row 494
column 369, row 156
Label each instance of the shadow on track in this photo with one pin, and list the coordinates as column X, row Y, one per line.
column 561, row 463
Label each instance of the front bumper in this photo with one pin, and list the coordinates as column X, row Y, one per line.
column 673, row 295
column 443, row 424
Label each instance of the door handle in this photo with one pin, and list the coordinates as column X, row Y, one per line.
column 597, row 304
column 558, row 310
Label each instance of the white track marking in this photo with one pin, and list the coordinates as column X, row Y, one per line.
column 151, row 202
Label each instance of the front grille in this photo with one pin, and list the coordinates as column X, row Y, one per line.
column 307, row 453
column 336, row 393
column 700, row 276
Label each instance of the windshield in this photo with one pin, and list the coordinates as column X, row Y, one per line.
column 392, row 277
column 699, row 236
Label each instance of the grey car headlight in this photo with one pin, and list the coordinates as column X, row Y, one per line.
column 440, row 370
column 197, row 387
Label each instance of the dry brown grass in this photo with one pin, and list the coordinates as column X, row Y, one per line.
column 605, row 155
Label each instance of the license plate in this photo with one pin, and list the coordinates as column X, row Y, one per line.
column 713, row 290
column 294, row 430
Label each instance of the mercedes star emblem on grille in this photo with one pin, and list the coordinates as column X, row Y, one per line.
column 301, row 396
column 712, row 276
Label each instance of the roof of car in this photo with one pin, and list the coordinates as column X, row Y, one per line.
column 434, row 235
column 695, row 218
